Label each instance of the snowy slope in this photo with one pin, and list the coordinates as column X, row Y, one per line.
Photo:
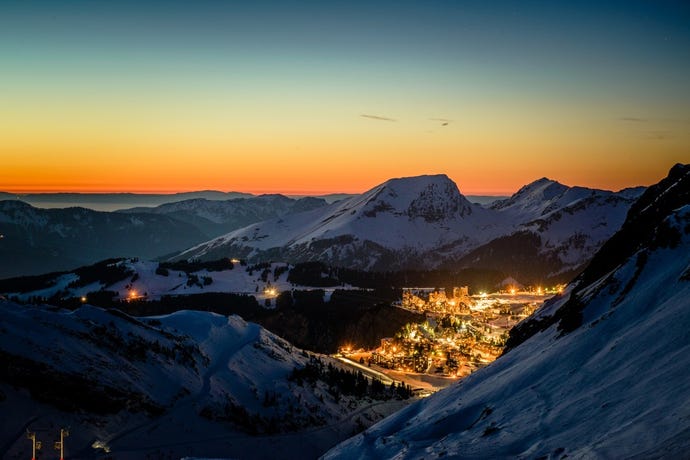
column 557, row 229
column 146, row 279
column 425, row 221
column 185, row 383
column 601, row 372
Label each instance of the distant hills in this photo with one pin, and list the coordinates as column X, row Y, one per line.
column 599, row 372
column 119, row 201
column 43, row 240
column 114, row 201
column 214, row 217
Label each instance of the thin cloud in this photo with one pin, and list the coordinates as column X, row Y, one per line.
column 634, row 119
column 377, row 117
column 658, row 135
column 444, row 121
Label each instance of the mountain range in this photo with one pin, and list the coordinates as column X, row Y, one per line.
column 114, row 201
column 600, row 371
column 43, row 240
column 216, row 217
column 546, row 229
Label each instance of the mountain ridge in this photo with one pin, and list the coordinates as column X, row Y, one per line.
column 425, row 221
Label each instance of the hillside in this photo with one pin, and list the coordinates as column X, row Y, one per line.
column 43, row 240
column 558, row 229
column 302, row 304
column 600, row 372
column 180, row 384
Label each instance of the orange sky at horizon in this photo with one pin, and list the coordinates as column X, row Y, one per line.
column 493, row 182
column 237, row 96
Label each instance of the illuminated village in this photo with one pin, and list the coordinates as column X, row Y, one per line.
column 460, row 334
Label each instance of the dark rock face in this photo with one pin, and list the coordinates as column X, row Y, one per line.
column 645, row 229
column 439, row 201
column 642, row 224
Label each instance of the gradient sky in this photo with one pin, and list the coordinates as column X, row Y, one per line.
column 318, row 97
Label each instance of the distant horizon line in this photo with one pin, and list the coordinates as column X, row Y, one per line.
column 254, row 193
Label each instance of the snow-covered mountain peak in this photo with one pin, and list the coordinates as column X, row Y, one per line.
column 537, row 193
column 429, row 197
column 544, row 196
column 544, row 188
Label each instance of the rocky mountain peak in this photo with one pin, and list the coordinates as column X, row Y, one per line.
column 431, row 197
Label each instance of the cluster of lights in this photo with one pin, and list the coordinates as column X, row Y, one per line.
column 270, row 292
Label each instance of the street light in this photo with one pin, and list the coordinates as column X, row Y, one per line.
column 35, row 444
column 60, row 445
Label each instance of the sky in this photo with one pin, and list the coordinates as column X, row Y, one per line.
column 311, row 97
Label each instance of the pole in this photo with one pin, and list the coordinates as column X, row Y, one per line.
column 63, row 433
column 60, row 445
column 31, row 435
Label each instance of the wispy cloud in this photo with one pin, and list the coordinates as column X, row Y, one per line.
column 444, row 121
column 634, row 119
column 658, row 135
column 377, row 117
